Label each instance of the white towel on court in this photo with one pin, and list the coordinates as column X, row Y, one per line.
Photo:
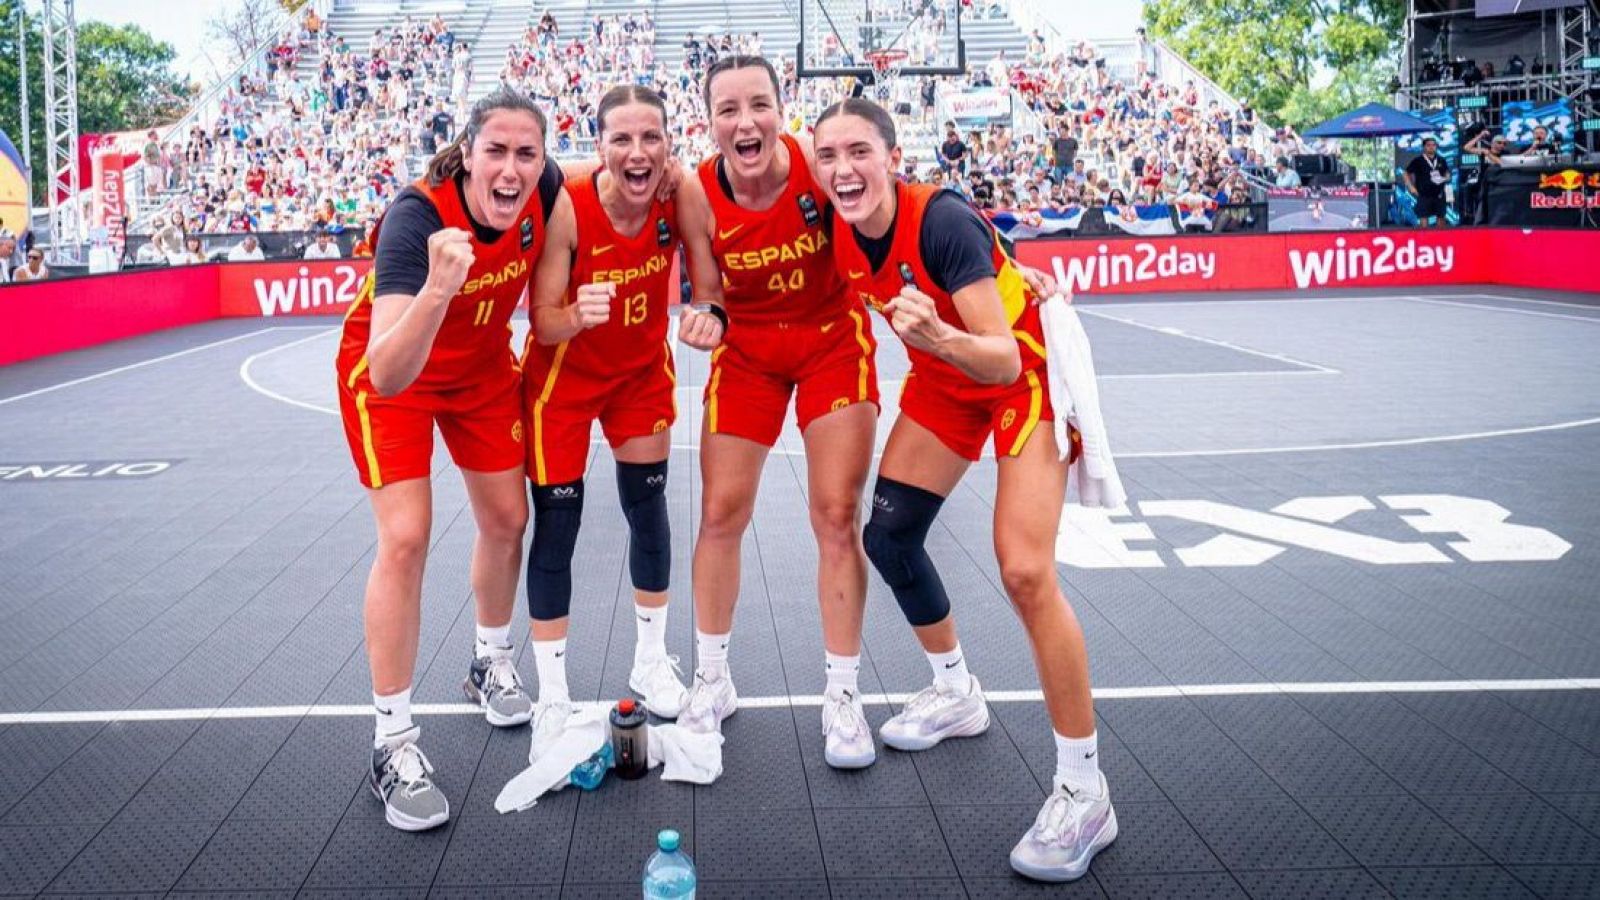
column 684, row 755
column 1074, row 392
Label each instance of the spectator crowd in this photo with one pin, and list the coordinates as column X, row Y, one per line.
column 337, row 126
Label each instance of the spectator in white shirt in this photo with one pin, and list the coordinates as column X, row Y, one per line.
column 247, row 251
column 324, row 248
column 8, row 247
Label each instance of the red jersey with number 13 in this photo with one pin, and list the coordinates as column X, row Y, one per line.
column 640, row 267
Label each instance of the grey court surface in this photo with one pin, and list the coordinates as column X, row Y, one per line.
column 1346, row 637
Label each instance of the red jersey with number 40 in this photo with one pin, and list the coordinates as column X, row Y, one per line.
column 904, row 264
column 640, row 267
column 472, row 343
column 776, row 264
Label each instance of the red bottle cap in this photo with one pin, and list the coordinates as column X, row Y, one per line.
column 625, row 706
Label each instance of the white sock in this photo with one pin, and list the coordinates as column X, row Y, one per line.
column 492, row 641
column 651, row 640
column 842, row 672
column 711, row 653
column 393, row 712
column 950, row 668
column 549, row 661
column 1078, row 763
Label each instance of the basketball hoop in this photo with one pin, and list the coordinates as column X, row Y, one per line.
column 886, row 65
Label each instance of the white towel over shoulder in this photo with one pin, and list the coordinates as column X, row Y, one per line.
column 1075, row 394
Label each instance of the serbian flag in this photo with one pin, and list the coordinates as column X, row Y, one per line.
column 1141, row 220
column 1015, row 224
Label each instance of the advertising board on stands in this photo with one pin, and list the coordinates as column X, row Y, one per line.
column 1304, row 261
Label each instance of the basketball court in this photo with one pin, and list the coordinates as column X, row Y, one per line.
column 1344, row 638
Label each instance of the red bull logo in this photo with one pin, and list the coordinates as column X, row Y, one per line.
column 1565, row 180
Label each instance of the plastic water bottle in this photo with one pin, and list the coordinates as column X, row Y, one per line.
column 669, row 875
column 588, row 774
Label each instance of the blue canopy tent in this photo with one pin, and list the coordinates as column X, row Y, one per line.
column 1374, row 122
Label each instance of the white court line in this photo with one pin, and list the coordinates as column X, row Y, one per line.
column 1309, row 369
column 1156, row 692
column 1592, row 320
column 147, row 362
column 1589, row 306
column 1178, row 332
column 249, row 382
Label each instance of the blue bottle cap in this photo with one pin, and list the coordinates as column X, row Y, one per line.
column 667, row 840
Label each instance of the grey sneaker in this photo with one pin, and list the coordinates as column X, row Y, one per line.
column 1070, row 829
column 493, row 684
column 552, row 719
column 847, row 741
column 400, row 778
column 708, row 703
column 937, row 712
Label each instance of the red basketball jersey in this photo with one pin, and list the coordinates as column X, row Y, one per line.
column 776, row 267
column 904, row 264
column 473, row 340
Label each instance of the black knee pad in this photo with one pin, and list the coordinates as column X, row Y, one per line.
column 642, row 488
column 895, row 539
column 557, row 514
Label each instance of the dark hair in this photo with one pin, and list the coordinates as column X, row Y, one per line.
column 450, row 162
column 742, row 61
column 624, row 94
column 1428, row 140
column 866, row 109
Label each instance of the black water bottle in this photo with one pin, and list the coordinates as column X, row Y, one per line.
column 630, row 739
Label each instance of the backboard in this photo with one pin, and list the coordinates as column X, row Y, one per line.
column 835, row 35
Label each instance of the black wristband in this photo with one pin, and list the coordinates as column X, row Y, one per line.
column 713, row 309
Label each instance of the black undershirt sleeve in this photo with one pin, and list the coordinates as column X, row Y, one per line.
column 401, row 259
column 957, row 243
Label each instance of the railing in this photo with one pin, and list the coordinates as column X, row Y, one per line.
column 208, row 103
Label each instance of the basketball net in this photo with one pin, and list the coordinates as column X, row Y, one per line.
column 886, row 67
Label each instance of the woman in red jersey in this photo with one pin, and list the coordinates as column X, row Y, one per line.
column 794, row 330
column 426, row 344
column 599, row 350
column 936, row 270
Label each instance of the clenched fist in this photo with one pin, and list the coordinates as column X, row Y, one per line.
column 592, row 307
column 915, row 318
column 450, row 258
column 699, row 327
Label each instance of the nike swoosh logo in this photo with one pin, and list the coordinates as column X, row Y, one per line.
column 645, row 618
column 561, row 654
column 828, row 327
column 599, row 250
column 724, row 235
column 952, row 665
column 387, row 712
column 1090, row 754
column 854, row 275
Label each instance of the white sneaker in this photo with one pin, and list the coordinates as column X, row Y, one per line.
column 549, row 720
column 400, row 776
column 660, row 682
column 708, row 703
column 937, row 712
column 847, row 741
column 1070, row 829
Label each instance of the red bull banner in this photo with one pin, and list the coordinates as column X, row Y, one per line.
column 1564, row 197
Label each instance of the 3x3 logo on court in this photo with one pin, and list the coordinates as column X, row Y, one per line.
column 1474, row 530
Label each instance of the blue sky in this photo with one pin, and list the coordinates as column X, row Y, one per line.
column 183, row 23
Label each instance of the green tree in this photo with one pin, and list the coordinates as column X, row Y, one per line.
column 1271, row 52
column 125, row 81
